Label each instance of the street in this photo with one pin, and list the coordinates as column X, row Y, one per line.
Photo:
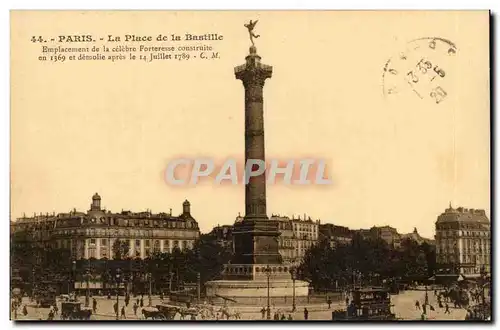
column 404, row 308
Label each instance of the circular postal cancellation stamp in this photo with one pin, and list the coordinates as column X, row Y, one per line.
column 424, row 69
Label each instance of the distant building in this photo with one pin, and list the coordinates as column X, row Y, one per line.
column 223, row 235
column 463, row 241
column 389, row 234
column 297, row 236
column 415, row 236
column 364, row 233
column 92, row 234
column 335, row 235
column 287, row 239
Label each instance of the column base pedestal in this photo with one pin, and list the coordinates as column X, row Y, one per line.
column 237, row 289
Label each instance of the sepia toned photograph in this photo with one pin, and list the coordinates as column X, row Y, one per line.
column 276, row 166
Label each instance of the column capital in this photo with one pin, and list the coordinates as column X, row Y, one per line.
column 253, row 72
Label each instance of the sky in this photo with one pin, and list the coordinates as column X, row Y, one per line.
column 82, row 127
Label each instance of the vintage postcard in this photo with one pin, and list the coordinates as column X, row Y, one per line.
column 250, row 165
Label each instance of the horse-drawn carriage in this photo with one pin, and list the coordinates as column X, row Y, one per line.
column 160, row 312
column 457, row 296
column 72, row 310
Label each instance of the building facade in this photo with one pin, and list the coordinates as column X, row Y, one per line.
column 94, row 233
column 463, row 241
column 335, row 235
column 223, row 235
column 387, row 233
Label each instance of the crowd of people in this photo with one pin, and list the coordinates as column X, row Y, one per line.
column 280, row 315
column 461, row 298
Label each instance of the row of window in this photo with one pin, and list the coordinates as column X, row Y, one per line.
column 147, row 243
column 453, row 233
column 465, row 259
column 305, row 228
column 143, row 223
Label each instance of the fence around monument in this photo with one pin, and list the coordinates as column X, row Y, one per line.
column 313, row 299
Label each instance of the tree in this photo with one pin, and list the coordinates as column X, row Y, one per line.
column 206, row 258
column 430, row 257
column 363, row 262
column 120, row 249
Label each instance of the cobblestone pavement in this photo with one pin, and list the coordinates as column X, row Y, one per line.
column 404, row 308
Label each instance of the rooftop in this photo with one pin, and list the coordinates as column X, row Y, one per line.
column 462, row 214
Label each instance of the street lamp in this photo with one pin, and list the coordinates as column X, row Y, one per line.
column 267, row 270
column 198, row 281
column 293, row 272
column 73, row 275
column 87, row 295
column 426, row 302
column 483, row 284
column 118, row 279
column 170, row 282
column 150, row 302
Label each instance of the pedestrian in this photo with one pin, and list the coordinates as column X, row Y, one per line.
column 142, row 302
column 51, row 315
column 417, row 305
column 263, row 312
column 137, row 301
column 123, row 312
column 115, row 307
column 329, row 302
column 290, row 317
column 276, row 316
column 25, row 310
column 447, row 309
column 283, row 317
column 268, row 311
column 127, row 300
column 135, row 309
column 306, row 314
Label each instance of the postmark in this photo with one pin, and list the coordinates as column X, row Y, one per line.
column 424, row 68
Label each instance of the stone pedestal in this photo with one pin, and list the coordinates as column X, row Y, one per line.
column 249, row 289
column 244, row 282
